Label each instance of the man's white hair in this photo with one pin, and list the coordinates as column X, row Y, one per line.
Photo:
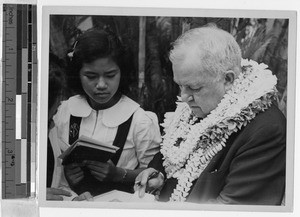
column 208, row 48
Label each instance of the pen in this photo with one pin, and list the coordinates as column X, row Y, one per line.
column 152, row 175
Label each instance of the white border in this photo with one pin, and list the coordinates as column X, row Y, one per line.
column 138, row 11
column 28, row 206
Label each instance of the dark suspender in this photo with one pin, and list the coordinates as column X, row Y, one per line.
column 120, row 139
column 74, row 128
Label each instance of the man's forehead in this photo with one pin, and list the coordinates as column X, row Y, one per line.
column 189, row 78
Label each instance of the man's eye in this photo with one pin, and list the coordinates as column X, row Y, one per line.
column 195, row 89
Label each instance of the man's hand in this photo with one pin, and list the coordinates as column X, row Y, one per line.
column 104, row 171
column 57, row 194
column 73, row 173
column 84, row 196
column 144, row 182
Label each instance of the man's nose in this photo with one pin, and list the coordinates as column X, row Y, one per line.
column 185, row 94
column 101, row 84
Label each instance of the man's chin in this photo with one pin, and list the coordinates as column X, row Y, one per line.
column 199, row 116
column 197, row 112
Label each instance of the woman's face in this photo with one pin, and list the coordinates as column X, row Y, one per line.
column 100, row 80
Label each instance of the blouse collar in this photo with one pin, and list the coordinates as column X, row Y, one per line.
column 112, row 117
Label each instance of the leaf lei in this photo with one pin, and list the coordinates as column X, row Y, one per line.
column 189, row 146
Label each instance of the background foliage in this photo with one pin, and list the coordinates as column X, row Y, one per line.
column 147, row 41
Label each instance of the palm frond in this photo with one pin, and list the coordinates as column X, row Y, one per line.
column 254, row 46
column 260, row 50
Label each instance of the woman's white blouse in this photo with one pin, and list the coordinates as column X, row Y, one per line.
column 142, row 141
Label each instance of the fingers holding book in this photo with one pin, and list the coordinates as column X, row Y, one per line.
column 74, row 173
column 102, row 171
column 84, row 196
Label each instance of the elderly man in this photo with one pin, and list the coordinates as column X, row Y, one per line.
column 226, row 141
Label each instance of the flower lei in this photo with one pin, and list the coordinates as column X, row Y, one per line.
column 189, row 146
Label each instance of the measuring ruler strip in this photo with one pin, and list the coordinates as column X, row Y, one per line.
column 18, row 94
column 9, row 103
column 29, row 119
column 33, row 94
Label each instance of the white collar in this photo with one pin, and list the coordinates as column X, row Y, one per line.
column 112, row 117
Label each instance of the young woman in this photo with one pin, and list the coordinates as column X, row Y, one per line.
column 101, row 110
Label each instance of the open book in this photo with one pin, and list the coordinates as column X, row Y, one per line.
column 85, row 148
column 121, row 196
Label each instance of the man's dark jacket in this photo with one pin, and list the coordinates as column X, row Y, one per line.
column 249, row 170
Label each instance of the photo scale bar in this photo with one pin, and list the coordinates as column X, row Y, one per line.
column 24, row 161
column 30, row 168
column 20, row 173
column 9, row 100
column 31, row 153
column 18, row 94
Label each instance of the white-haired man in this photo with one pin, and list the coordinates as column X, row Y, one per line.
column 226, row 141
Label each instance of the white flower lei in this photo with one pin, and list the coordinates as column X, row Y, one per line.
column 188, row 147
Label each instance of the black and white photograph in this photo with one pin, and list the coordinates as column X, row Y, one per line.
column 167, row 109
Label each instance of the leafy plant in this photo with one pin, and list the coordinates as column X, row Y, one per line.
column 263, row 40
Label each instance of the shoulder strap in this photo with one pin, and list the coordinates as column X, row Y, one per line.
column 74, row 128
column 120, row 139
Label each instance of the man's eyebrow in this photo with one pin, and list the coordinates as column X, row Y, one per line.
column 196, row 84
column 192, row 84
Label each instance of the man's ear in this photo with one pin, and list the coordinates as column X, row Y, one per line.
column 229, row 79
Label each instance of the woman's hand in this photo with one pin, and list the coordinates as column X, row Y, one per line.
column 73, row 173
column 84, row 196
column 57, row 194
column 104, row 171
column 145, row 182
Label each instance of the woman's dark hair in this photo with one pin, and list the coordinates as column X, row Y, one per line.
column 89, row 46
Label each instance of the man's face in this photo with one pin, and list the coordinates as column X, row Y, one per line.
column 201, row 91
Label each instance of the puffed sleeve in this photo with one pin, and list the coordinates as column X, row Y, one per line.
column 61, row 122
column 62, row 114
column 147, row 137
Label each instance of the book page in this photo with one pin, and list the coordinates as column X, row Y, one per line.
column 121, row 196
